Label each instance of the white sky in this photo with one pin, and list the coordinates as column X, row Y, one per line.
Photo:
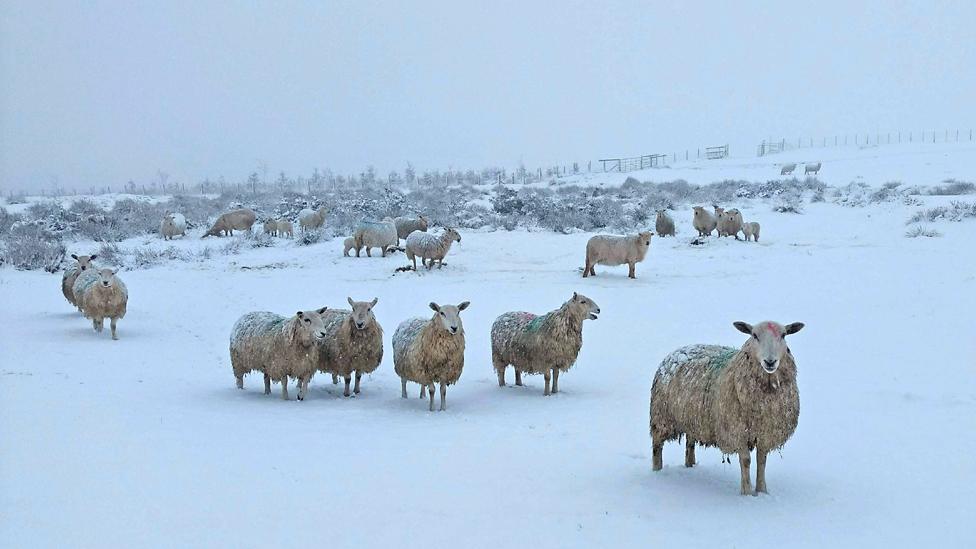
column 96, row 93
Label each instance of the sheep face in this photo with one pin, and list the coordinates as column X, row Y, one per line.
column 84, row 261
column 310, row 325
column 699, row 211
column 768, row 344
column 362, row 313
column 452, row 235
column 449, row 316
column 106, row 278
column 644, row 239
column 423, row 223
column 584, row 306
column 719, row 211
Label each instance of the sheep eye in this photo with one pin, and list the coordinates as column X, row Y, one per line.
column 442, row 314
column 307, row 321
column 754, row 336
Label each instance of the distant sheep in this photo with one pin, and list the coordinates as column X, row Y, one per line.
column 664, row 225
column 407, row 225
column 353, row 342
column 278, row 347
column 285, row 228
column 604, row 249
column 736, row 400
column 547, row 344
column 349, row 244
column 751, row 229
column 429, row 351
column 718, row 211
column 102, row 295
column 787, row 169
column 240, row 220
column 376, row 234
column 811, row 169
column 430, row 248
column 730, row 223
column 172, row 224
column 271, row 227
column 311, row 219
column 82, row 263
column 703, row 221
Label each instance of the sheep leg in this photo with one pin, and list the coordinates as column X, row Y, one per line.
column 414, row 258
column 94, row 324
column 302, row 386
column 284, row 387
column 500, row 370
column 430, row 389
column 359, row 375
column 369, row 251
column 113, row 322
column 348, row 379
column 383, row 250
column 658, row 448
column 403, row 387
column 689, row 451
column 240, row 381
column 518, row 377
column 423, row 388
column 430, row 263
column 555, row 380
column 335, row 379
column 761, row 471
column 100, row 324
column 267, row 384
column 631, row 273
column 586, row 269
column 443, row 396
column 744, row 462
column 548, row 376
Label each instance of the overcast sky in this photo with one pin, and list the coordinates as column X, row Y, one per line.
column 97, row 93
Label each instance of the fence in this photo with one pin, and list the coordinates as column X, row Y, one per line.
column 865, row 139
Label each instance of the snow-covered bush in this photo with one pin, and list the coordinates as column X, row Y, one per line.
column 919, row 230
column 952, row 187
column 30, row 246
column 957, row 211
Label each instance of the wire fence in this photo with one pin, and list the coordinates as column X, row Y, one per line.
column 770, row 146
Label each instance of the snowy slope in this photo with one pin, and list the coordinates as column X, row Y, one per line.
column 145, row 441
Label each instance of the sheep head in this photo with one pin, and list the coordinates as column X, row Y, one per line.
column 767, row 346
column 448, row 317
column 583, row 306
column 84, row 261
column 106, row 278
column 310, row 326
column 362, row 313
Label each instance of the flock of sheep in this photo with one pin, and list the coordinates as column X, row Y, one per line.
column 738, row 400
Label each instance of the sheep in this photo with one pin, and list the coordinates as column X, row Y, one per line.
column 376, row 234
column 430, row 248
column 285, row 228
column 429, row 351
column 82, row 264
column 241, row 219
column 718, row 219
column 751, row 229
column 271, row 227
column 703, row 221
column 353, row 342
column 730, row 223
column 172, row 224
column 787, row 169
column 664, row 225
column 736, row 400
column 604, row 249
column 102, row 295
column 547, row 344
column 718, row 211
column 350, row 244
column 407, row 225
column 278, row 347
column 311, row 219
column 811, row 169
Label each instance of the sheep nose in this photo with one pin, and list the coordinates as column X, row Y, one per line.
column 770, row 364
column 453, row 329
column 597, row 310
column 360, row 325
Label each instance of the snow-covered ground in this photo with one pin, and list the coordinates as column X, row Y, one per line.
column 146, row 441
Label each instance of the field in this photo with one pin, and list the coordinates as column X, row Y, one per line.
column 145, row 441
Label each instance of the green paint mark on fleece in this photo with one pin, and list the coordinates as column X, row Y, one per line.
column 536, row 323
column 722, row 359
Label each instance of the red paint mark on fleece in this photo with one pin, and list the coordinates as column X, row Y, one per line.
column 772, row 329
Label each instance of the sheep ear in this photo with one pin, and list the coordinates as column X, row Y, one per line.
column 73, row 256
column 92, row 257
column 300, row 314
column 374, row 302
column 743, row 327
column 794, row 327
column 351, row 303
column 464, row 305
column 435, row 306
column 323, row 309
column 575, row 295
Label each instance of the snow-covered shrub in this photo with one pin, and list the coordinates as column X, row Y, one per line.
column 7, row 221
column 258, row 239
column 312, row 237
column 952, row 187
column 919, row 230
column 30, row 246
column 957, row 211
column 145, row 257
column 111, row 253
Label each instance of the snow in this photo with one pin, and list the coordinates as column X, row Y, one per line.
column 146, row 441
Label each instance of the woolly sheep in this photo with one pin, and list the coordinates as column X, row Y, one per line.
column 546, row 344
column 787, row 169
column 102, row 295
column 604, row 249
column 703, row 221
column 730, row 223
column 407, row 225
column 430, row 248
column 311, row 219
column 736, row 400
column 278, row 347
column 350, row 244
column 429, row 351
column 172, row 224
column 811, row 168
column 718, row 211
column 241, row 220
column 285, row 228
column 376, row 234
column 271, row 227
column 751, row 229
column 664, row 225
column 353, row 342
column 82, row 264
